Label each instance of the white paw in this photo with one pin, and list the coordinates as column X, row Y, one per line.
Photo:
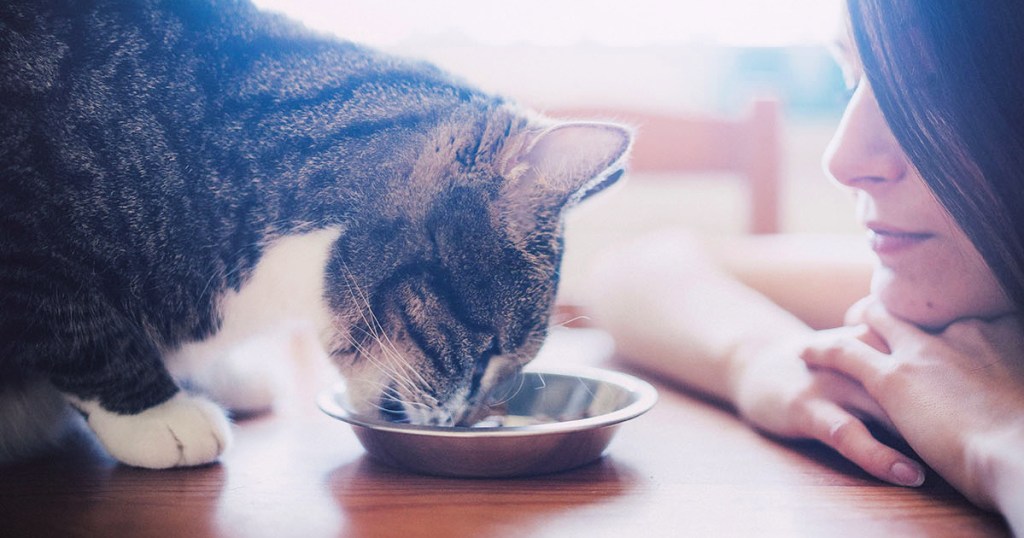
column 181, row 432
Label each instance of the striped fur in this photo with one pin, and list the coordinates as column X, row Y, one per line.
column 152, row 152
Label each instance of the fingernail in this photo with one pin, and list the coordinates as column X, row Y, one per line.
column 907, row 474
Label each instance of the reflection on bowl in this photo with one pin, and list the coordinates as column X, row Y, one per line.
column 545, row 421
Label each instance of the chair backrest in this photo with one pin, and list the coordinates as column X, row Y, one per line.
column 674, row 146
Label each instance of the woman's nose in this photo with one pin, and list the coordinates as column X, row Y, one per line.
column 863, row 152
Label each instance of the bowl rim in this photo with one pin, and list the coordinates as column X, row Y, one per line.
column 646, row 397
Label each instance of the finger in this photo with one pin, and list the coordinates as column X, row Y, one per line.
column 848, row 394
column 849, row 436
column 848, row 356
column 855, row 314
column 871, row 337
column 856, row 317
column 890, row 328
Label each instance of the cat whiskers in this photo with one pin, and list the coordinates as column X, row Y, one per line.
column 397, row 367
column 572, row 320
column 226, row 271
column 534, row 342
column 392, row 395
column 390, row 350
column 387, row 367
column 511, row 394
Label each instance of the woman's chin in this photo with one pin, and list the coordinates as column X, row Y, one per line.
column 912, row 304
column 932, row 308
column 924, row 319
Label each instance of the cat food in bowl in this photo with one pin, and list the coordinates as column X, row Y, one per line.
column 545, row 421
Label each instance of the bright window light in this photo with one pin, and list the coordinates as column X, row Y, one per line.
column 391, row 23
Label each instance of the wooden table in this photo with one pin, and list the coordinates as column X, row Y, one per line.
column 686, row 468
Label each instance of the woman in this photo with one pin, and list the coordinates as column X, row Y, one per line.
column 932, row 145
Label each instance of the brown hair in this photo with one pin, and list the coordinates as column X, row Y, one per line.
column 949, row 78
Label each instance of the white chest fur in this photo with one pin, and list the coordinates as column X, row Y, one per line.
column 239, row 367
column 285, row 291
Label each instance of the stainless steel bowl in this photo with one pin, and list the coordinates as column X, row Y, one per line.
column 548, row 421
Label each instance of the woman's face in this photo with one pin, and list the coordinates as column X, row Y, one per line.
column 929, row 272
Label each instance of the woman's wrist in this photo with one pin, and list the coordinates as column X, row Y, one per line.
column 738, row 363
column 996, row 460
column 751, row 354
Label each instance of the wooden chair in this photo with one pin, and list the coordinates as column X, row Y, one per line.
column 674, row 147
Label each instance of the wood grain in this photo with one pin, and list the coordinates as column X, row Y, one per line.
column 687, row 468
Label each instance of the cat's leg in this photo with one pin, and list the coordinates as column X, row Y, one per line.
column 245, row 378
column 119, row 382
column 247, row 375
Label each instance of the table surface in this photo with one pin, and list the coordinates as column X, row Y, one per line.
column 686, row 468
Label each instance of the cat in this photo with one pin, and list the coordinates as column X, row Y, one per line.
column 180, row 177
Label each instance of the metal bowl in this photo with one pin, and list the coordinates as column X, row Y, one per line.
column 547, row 421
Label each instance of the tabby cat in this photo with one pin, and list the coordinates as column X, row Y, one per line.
column 181, row 176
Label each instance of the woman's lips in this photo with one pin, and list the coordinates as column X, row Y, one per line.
column 887, row 241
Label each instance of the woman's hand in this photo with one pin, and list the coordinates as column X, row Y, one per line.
column 776, row 392
column 956, row 396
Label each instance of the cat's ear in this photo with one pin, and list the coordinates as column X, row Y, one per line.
column 570, row 161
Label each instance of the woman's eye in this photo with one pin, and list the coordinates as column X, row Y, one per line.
column 849, row 67
column 851, row 83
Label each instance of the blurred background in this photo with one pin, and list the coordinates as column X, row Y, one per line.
column 708, row 59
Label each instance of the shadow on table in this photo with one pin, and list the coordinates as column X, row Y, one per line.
column 375, row 498
column 813, row 465
column 77, row 489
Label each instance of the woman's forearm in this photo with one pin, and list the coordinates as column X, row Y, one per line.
column 675, row 314
column 814, row 277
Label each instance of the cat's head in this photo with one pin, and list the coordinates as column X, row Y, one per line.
column 448, row 287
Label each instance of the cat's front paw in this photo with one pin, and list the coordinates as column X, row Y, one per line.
column 181, row 432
